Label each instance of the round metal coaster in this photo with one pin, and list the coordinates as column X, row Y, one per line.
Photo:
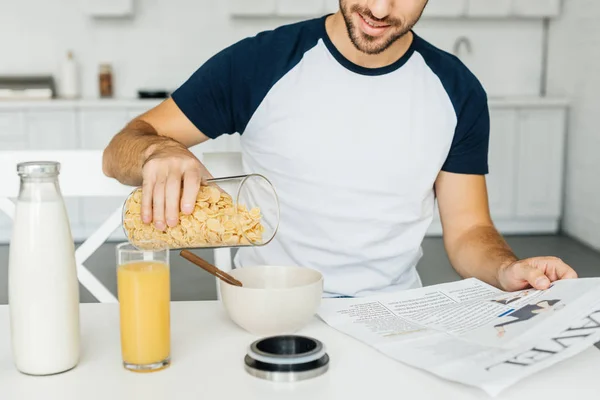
column 287, row 358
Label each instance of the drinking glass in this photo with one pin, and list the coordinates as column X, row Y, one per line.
column 143, row 280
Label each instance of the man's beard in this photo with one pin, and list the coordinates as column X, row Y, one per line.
column 366, row 43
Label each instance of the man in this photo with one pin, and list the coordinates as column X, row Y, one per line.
column 359, row 123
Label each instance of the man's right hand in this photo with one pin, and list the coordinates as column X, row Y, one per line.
column 171, row 180
column 152, row 151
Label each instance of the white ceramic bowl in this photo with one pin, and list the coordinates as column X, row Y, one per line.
column 274, row 300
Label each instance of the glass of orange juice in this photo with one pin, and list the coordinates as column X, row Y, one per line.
column 143, row 282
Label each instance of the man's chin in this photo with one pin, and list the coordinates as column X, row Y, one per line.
column 370, row 47
column 374, row 45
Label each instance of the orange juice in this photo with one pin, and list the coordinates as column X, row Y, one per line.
column 144, row 299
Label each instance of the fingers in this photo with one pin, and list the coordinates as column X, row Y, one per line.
column 568, row 273
column 536, row 278
column 158, row 204
column 162, row 198
column 191, row 186
column 147, row 194
column 555, row 268
column 551, row 273
column 538, row 272
column 563, row 271
column 172, row 196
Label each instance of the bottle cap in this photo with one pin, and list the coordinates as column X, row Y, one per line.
column 38, row 168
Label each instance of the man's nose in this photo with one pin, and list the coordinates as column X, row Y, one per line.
column 380, row 8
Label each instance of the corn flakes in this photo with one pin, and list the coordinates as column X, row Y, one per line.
column 215, row 221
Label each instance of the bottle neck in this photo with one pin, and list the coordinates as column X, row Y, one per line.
column 40, row 189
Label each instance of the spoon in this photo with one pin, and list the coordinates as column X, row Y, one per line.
column 208, row 267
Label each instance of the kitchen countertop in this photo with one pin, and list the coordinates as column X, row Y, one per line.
column 208, row 351
column 494, row 102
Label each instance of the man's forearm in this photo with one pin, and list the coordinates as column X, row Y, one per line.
column 127, row 152
column 480, row 252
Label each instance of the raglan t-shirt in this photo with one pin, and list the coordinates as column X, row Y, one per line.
column 352, row 152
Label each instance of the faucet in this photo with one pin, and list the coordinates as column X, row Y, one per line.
column 460, row 42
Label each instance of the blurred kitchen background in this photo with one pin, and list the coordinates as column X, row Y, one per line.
column 538, row 60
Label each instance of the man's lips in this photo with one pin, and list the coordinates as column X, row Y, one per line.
column 372, row 28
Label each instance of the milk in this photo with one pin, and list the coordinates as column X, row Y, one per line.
column 43, row 285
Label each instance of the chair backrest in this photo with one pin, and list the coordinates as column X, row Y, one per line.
column 81, row 173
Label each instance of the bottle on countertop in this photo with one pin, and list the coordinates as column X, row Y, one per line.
column 42, row 276
column 70, row 78
column 105, row 78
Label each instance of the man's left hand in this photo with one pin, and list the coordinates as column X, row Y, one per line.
column 536, row 272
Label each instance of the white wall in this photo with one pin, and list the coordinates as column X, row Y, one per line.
column 167, row 40
column 162, row 44
column 574, row 65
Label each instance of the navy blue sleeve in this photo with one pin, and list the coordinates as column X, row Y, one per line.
column 223, row 94
column 213, row 97
column 469, row 151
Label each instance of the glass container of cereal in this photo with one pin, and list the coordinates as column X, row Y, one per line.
column 233, row 211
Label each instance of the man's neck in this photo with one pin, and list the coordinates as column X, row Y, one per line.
column 338, row 34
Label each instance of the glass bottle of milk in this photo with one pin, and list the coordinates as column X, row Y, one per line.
column 42, row 279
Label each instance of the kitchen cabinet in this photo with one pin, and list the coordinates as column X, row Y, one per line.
column 99, row 126
column 12, row 127
column 525, row 183
column 536, row 8
column 489, row 8
column 502, row 159
column 445, row 8
column 539, row 182
column 42, row 126
column 526, row 162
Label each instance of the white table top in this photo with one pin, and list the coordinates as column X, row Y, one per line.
column 208, row 351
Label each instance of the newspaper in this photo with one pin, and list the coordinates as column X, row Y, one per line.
column 473, row 333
